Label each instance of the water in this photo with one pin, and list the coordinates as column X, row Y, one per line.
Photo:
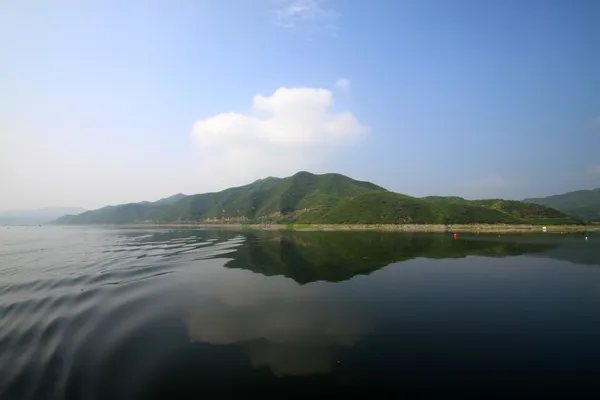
column 100, row 313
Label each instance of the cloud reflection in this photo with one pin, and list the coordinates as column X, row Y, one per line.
column 293, row 330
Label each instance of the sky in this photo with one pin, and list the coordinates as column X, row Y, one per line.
column 107, row 102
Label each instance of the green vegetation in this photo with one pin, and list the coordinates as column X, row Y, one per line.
column 582, row 203
column 305, row 198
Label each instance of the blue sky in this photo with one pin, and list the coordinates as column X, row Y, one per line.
column 105, row 102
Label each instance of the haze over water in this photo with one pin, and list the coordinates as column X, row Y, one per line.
column 96, row 313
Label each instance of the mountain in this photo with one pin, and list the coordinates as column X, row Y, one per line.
column 36, row 217
column 581, row 203
column 328, row 198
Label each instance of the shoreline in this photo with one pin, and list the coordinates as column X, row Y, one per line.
column 383, row 227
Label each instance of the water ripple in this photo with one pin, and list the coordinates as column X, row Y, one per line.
column 67, row 308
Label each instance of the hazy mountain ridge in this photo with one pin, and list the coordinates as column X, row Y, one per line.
column 327, row 198
column 36, row 216
column 580, row 203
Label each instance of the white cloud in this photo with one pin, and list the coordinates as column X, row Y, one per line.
column 343, row 84
column 293, row 129
column 305, row 15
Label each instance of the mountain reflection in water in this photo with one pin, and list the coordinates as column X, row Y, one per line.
column 337, row 256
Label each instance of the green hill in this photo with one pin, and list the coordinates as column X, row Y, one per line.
column 581, row 203
column 327, row 198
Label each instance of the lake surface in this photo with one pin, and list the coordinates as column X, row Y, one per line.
column 99, row 313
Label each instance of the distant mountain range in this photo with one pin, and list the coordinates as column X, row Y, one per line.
column 36, row 217
column 581, row 203
column 328, row 199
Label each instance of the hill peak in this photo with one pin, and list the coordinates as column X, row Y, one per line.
column 303, row 173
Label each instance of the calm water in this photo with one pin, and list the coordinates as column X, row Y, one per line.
column 130, row 313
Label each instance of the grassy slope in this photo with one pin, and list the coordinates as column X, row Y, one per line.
column 327, row 199
column 517, row 210
column 374, row 208
column 582, row 203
